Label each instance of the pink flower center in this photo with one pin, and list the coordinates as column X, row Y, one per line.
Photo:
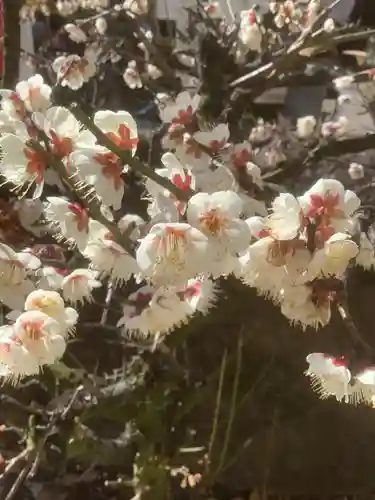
column 324, row 205
column 76, row 279
column 81, row 217
column 182, row 182
column 184, row 116
column 212, row 221
column 34, row 94
column 112, row 167
column 123, row 138
column 339, row 361
column 211, row 8
column 62, row 272
column 36, row 165
column 18, row 105
column 240, row 158
column 61, row 147
column 192, row 290
column 33, row 329
column 216, row 146
column 71, row 68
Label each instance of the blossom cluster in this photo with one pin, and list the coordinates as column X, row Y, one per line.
column 207, row 218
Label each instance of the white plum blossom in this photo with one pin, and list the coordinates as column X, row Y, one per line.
column 330, row 206
column 336, row 128
column 12, row 269
column 132, row 225
column 306, row 306
column 356, row 171
column 219, row 179
column 182, row 177
column 200, row 294
column 333, row 259
column 102, row 169
column 71, row 220
column 73, row 71
column 29, row 212
column 21, row 164
column 329, row 25
column 120, row 127
column 331, row 376
column 262, row 266
column 180, row 111
column 35, row 94
column 137, row 7
column 312, row 12
column 41, row 335
column 12, row 106
column 286, row 220
column 217, row 216
column 51, row 304
column 215, row 140
column 250, row 33
column 132, row 77
column 64, row 131
column 213, row 10
column 107, row 257
column 172, row 253
column 151, row 311
column 101, row 25
column 11, row 125
column 78, row 285
column 186, row 59
column 153, row 71
column 16, row 362
column 306, row 126
column 366, row 254
column 50, row 278
column 240, row 155
column 75, row 33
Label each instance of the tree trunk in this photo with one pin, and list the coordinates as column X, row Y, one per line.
column 12, row 41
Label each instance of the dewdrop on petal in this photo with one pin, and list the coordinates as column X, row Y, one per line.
column 356, row 171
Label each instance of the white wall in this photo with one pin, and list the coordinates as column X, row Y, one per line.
column 173, row 9
column 27, row 44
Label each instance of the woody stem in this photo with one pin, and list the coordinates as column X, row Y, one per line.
column 92, row 206
column 127, row 158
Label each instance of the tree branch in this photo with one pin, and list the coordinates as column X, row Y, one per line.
column 126, row 157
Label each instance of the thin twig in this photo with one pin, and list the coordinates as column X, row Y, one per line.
column 126, row 157
column 233, row 404
column 219, row 396
column 343, row 309
column 107, row 302
column 35, row 452
column 92, row 206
